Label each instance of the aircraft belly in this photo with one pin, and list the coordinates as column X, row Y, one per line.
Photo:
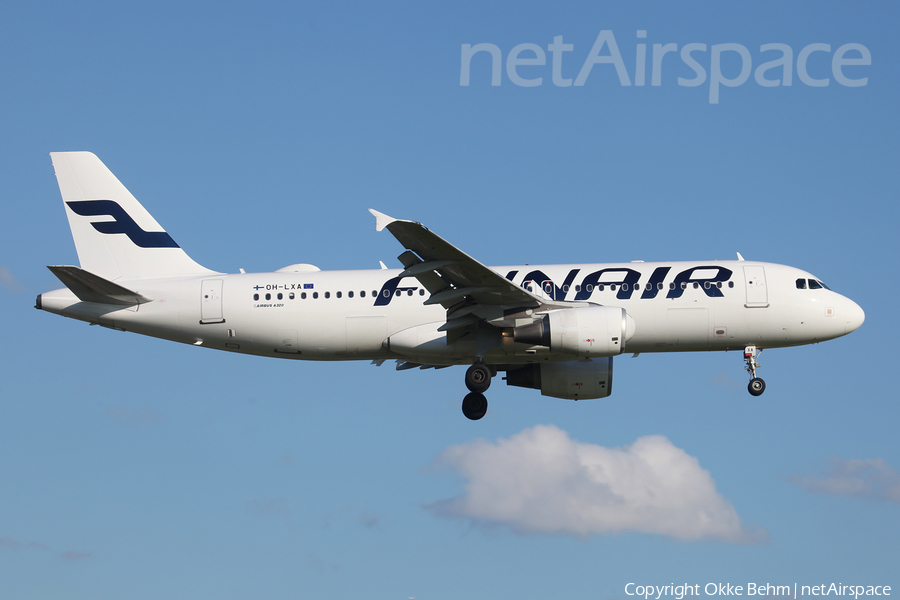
column 688, row 328
column 365, row 333
column 424, row 343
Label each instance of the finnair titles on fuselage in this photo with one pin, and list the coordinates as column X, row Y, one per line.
column 555, row 328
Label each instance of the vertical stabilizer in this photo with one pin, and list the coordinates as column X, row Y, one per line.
column 116, row 238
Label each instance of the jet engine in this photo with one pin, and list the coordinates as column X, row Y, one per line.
column 575, row 380
column 588, row 331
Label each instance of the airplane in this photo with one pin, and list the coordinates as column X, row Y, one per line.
column 555, row 328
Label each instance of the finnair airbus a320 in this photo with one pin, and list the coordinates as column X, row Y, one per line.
column 555, row 328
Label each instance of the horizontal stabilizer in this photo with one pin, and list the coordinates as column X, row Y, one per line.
column 93, row 288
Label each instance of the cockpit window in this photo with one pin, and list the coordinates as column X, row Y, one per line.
column 801, row 284
column 822, row 283
column 814, row 285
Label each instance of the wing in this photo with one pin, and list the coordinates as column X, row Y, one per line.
column 448, row 273
column 471, row 292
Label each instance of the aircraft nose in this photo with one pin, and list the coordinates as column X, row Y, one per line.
column 853, row 316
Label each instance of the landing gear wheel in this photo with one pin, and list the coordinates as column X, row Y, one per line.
column 474, row 406
column 757, row 386
column 478, row 378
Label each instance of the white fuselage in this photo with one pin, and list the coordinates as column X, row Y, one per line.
column 355, row 315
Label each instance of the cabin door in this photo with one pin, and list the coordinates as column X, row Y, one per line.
column 211, row 301
column 755, row 283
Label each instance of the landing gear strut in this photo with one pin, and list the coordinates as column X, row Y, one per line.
column 757, row 386
column 478, row 380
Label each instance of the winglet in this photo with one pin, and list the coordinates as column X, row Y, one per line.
column 381, row 219
column 741, row 258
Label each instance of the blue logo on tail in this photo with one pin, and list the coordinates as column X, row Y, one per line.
column 122, row 223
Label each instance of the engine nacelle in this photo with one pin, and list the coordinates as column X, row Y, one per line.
column 575, row 380
column 588, row 331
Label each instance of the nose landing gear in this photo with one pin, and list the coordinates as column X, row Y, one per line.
column 756, row 386
column 478, row 380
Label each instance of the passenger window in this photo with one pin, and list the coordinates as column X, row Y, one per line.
column 649, row 287
column 280, row 296
column 612, row 287
column 291, row 295
column 327, row 294
column 349, row 294
column 684, row 285
column 814, row 285
column 362, row 294
column 422, row 292
column 731, row 284
column 599, row 287
column 719, row 284
column 338, row 294
column 672, row 286
column 801, row 284
column 624, row 287
column 374, row 293
column 659, row 285
column 268, row 296
column 696, row 285
column 409, row 292
column 256, row 296
column 315, row 295
column 590, row 288
column 387, row 293
column 303, row 295
column 706, row 284
column 577, row 288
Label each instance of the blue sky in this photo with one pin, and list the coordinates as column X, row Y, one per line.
column 259, row 135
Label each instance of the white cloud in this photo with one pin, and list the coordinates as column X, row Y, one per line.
column 8, row 280
column 542, row 481
column 868, row 478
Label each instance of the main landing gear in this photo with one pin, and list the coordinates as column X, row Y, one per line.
column 757, row 386
column 478, row 380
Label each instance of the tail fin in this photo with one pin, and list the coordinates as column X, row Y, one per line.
column 116, row 238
